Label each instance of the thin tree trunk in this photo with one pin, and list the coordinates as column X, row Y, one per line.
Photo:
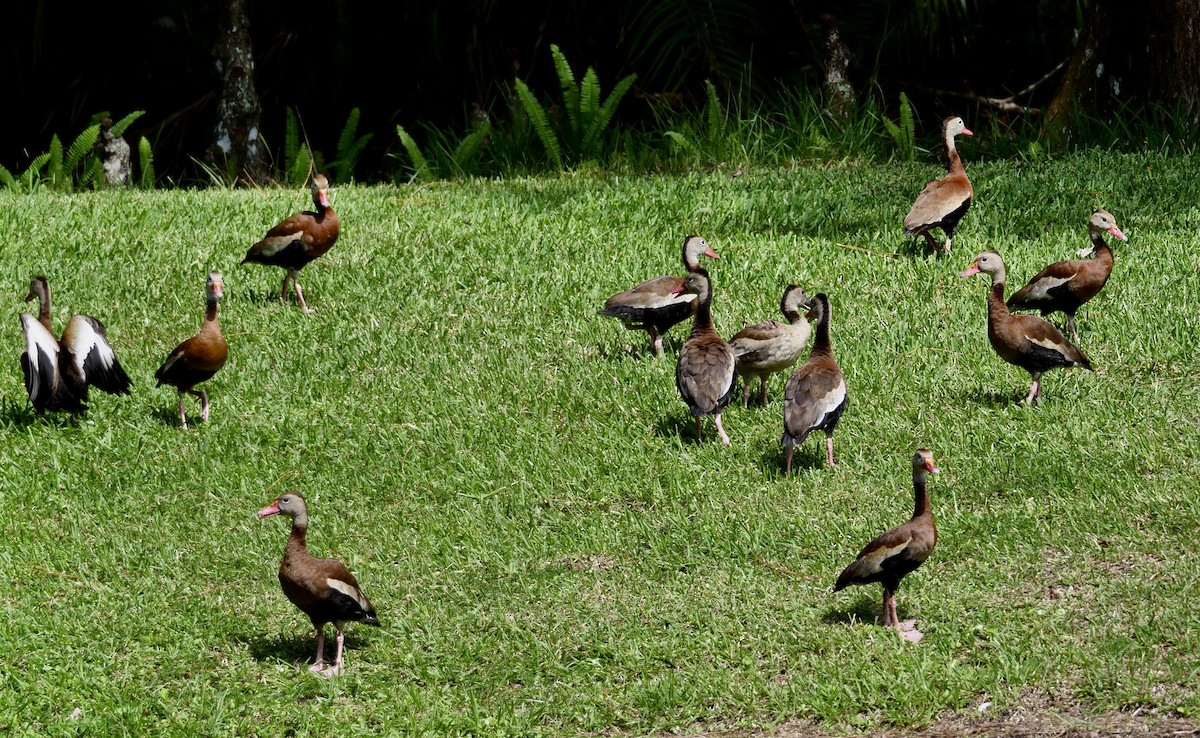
column 235, row 148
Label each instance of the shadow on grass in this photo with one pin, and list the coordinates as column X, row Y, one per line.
column 683, row 427
column 258, row 298
column 642, row 351
column 14, row 413
column 992, row 398
column 301, row 648
column 807, row 457
column 863, row 611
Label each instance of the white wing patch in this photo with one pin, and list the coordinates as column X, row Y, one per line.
column 1041, row 288
column 275, row 244
column 348, row 590
column 832, row 399
column 1045, row 343
column 872, row 563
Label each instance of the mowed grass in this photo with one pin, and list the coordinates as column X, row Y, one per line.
column 515, row 483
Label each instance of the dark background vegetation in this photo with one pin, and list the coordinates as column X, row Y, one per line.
column 432, row 63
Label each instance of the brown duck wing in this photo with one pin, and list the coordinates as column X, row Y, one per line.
column 704, row 374
column 1050, row 285
column 1033, row 343
column 815, row 397
column 890, row 556
column 653, row 293
column 940, row 199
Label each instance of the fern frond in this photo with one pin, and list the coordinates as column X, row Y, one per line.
column 589, row 95
column 566, row 81
column 541, row 124
column 908, row 128
column 677, row 142
column 346, row 140
column 119, row 128
column 81, row 147
column 92, row 174
column 55, row 168
column 468, row 149
column 6, row 178
column 300, row 167
column 713, row 112
column 420, row 165
column 146, row 163
column 592, row 138
column 291, row 140
column 33, row 173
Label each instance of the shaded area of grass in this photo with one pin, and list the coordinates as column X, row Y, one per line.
column 514, row 482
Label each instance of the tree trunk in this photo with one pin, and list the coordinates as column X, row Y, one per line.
column 235, row 148
column 1146, row 53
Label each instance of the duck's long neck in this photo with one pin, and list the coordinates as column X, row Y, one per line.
column 297, row 543
column 43, row 296
column 703, row 321
column 821, row 343
column 995, row 299
column 920, row 494
column 1100, row 247
column 211, row 324
column 954, row 165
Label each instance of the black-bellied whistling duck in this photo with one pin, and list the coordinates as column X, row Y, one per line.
column 299, row 239
column 1066, row 285
column 657, row 304
column 816, row 396
column 892, row 555
column 770, row 346
column 1027, row 341
column 59, row 372
column 944, row 201
column 704, row 372
column 200, row 357
column 323, row 589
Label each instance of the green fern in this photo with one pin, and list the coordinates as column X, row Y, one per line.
column 33, row 173
column 296, row 157
column 83, row 145
column 7, row 179
column 54, row 169
column 904, row 133
column 421, row 169
column 541, row 124
column 146, row 164
column 570, row 93
column 469, row 148
column 119, row 128
column 350, row 148
column 713, row 113
column 592, row 138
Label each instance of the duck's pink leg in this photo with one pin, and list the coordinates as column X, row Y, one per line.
column 336, row 667
column 319, row 663
column 720, row 430
column 182, row 414
column 829, row 450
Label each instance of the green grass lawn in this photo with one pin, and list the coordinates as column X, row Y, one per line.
column 515, row 483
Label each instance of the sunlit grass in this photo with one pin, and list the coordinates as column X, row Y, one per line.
column 514, row 482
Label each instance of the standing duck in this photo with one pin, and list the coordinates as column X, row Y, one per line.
column 944, row 201
column 816, row 396
column 323, row 589
column 770, row 346
column 1027, row 341
column 59, row 372
column 299, row 239
column 1066, row 285
column 704, row 373
column 657, row 304
column 892, row 555
column 200, row 357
